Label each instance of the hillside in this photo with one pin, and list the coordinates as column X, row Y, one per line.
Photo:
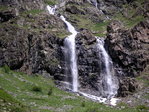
column 24, row 93
column 52, row 51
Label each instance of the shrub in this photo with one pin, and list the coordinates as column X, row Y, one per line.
column 50, row 91
column 37, row 89
column 83, row 104
column 6, row 69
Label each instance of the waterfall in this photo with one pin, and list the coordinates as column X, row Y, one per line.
column 51, row 10
column 96, row 4
column 70, row 55
column 70, row 51
column 109, row 81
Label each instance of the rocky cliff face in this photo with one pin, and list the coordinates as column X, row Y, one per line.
column 129, row 51
column 29, row 37
column 129, row 48
column 88, row 62
column 22, row 5
column 31, row 40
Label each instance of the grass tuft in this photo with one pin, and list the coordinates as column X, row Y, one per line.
column 6, row 69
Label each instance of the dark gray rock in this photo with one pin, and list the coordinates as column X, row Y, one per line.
column 74, row 10
column 127, row 86
column 129, row 48
column 88, row 63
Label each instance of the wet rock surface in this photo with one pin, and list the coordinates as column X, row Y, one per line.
column 88, row 67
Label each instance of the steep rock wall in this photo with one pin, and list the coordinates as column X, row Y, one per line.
column 129, row 48
column 129, row 51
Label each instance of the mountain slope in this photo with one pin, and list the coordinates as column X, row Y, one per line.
column 32, row 41
column 38, row 94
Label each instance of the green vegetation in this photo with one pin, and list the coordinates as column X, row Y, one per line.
column 142, row 108
column 37, row 89
column 9, row 104
column 33, row 12
column 131, row 14
column 61, row 33
column 45, row 97
column 50, row 2
column 50, row 91
column 3, row 8
column 6, row 69
column 129, row 22
column 100, row 26
column 98, row 29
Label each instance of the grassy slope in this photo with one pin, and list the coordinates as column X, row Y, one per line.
column 19, row 86
column 8, row 103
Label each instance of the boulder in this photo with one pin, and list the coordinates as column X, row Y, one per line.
column 127, row 86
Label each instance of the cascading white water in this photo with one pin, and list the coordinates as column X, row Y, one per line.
column 51, row 10
column 109, row 81
column 71, row 54
column 96, row 4
column 69, row 49
column 100, row 99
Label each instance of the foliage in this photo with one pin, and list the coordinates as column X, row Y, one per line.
column 83, row 104
column 50, row 2
column 50, row 91
column 37, row 89
column 6, row 69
